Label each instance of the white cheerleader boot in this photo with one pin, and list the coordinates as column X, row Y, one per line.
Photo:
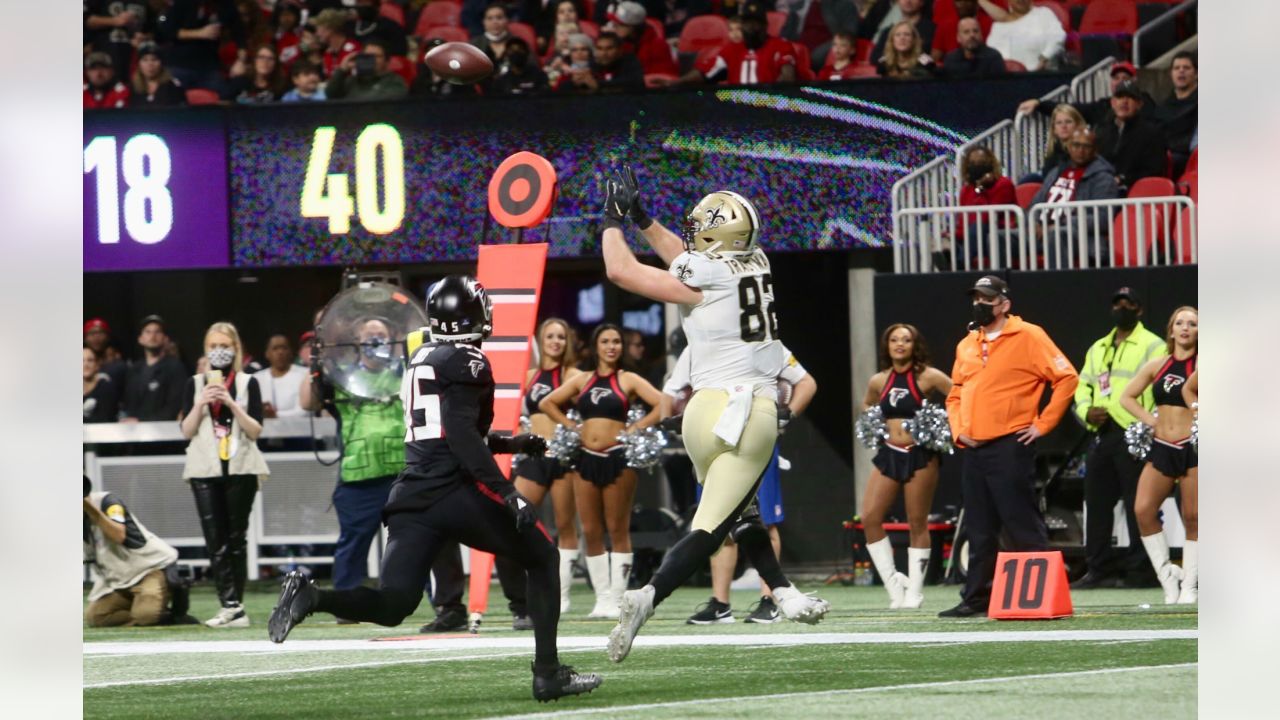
column 917, row 564
column 1190, row 590
column 567, row 558
column 598, row 569
column 895, row 583
column 619, row 574
column 1170, row 575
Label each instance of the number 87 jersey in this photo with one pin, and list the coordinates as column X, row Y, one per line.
column 733, row 331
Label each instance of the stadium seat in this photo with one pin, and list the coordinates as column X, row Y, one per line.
column 656, row 25
column 525, row 32
column 1125, row 226
column 1025, row 192
column 200, row 96
column 702, row 32
column 864, row 70
column 862, row 50
column 446, row 33
column 437, row 13
column 589, row 29
column 400, row 65
column 1110, row 17
column 804, row 69
column 1153, row 187
column 775, row 22
column 392, row 12
column 650, row 78
column 1193, row 163
column 1182, row 236
column 1014, row 66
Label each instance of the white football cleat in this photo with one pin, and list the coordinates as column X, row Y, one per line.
column 635, row 610
column 233, row 616
column 896, row 586
column 800, row 607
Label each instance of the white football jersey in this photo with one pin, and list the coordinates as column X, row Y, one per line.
column 792, row 371
column 733, row 332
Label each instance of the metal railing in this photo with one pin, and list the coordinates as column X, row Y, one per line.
column 1050, row 236
column 1002, row 140
column 1094, row 83
column 1169, row 16
column 1126, row 232
column 934, row 184
column 1032, row 132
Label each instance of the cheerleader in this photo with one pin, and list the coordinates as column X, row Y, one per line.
column 536, row 476
column 1172, row 459
column 899, row 389
column 605, row 487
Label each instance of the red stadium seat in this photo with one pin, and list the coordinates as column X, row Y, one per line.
column 392, row 12
column 862, row 50
column 651, row 78
column 1193, row 163
column 400, row 65
column 775, row 22
column 1014, row 66
column 1110, row 17
column 1125, row 230
column 524, row 32
column 1153, row 187
column 200, row 96
column 1063, row 16
column 863, row 70
column 446, row 33
column 702, row 32
column 436, row 14
column 1182, row 236
column 804, row 67
column 1025, row 192
column 655, row 25
column 589, row 29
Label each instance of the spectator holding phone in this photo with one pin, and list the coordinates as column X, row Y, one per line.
column 364, row 76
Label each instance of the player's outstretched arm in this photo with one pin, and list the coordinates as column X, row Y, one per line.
column 667, row 244
column 624, row 270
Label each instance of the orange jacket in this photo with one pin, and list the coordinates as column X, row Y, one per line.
column 1003, row 396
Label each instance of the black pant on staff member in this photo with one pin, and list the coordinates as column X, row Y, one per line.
column 1111, row 474
column 998, row 482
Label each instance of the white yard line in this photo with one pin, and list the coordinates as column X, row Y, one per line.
column 479, row 642
column 739, row 699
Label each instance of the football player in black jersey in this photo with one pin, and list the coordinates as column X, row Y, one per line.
column 452, row 490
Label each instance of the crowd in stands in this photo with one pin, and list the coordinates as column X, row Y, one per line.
column 152, row 53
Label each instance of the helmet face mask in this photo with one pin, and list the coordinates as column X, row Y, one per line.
column 722, row 222
column 459, row 310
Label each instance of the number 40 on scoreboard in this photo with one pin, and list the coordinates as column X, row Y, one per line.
column 379, row 206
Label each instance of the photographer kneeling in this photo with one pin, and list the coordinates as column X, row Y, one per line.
column 136, row 579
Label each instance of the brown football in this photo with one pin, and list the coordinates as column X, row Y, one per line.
column 459, row 63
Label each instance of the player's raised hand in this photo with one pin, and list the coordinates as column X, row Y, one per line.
column 638, row 215
column 618, row 199
column 526, row 514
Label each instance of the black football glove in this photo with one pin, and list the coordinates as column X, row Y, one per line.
column 618, row 199
column 672, row 424
column 638, row 215
column 784, row 418
column 529, row 444
column 526, row 514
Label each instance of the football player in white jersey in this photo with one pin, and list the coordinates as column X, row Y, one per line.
column 720, row 279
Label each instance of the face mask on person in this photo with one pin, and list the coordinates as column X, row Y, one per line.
column 377, row 349
column 754, row 39
column 1126, row 318
column 983, row 313
column 518, row 59
column 978, row 170
column 221, row 357
column 367, row 13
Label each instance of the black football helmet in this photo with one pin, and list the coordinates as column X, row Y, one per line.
column 459, row 310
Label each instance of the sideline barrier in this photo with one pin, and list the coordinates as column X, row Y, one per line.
column 964, row 238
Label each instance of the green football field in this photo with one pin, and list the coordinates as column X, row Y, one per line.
column 1114, row 658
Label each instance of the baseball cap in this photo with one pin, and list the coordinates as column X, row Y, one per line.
column 1127, row 293
column 151, row 319
column 1126, row 67
column 97, row 59
column 148, row 48
column 307, row 337
column 1128, row 88
column 990, row 286
column 630, row 13
column 96, row 324
column 753, row 9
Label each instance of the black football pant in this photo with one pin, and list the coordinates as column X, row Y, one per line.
column 471, row 515
column 998, row 482
column 224, row 504
column 1111, row 474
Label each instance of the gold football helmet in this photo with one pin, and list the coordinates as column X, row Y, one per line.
column 722, row 222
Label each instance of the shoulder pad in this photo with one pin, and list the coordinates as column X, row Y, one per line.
column 697, row 270
column 463, row 364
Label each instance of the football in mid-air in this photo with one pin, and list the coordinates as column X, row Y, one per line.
column 459, row 62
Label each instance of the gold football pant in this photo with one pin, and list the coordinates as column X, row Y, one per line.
column 728, row 474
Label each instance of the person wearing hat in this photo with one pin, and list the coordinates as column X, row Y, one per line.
column 628, row 20
column 757, row 59
column 1111, row 473
column 1133, row 144
column 153, row 390
column 1001, row 368
column 101, row 89
column 1095, row 111
column 153, row 84
column 113, row 26
column 97, row 337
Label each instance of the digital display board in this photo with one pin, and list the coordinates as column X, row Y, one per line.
column 406, row 182
column 155, row 190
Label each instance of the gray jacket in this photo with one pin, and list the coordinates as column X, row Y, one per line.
column 1098, row 183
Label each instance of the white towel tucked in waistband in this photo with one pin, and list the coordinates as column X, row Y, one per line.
column 734, row 417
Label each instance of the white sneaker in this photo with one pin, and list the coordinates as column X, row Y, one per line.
column 233, row 616
column 1189, row 592
column 635, row 609
column 1171, row 580
column 912, row 600
column 896, row 586
column 799, row 606
column 604, row 609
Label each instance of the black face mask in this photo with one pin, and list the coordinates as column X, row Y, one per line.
column 518, row 60
column 983, row 313
column 1126, row 318
column 978, row 170
column 754, row 39
column 367, row 13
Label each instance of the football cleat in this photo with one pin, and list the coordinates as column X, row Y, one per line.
column 765, row 612
column 800, row 607
column 711, row 612
column 563, row 681
column 636, row 609
column 521, row 622
column 297, row 600
column 448, row 620
column 232, row 616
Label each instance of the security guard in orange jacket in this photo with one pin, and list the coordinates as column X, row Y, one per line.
column 1000, row 372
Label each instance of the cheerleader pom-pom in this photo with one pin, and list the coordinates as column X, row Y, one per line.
column 870, row 429
column 1138, row 437
column 566, row 444
column 1195, row 427
column 930, row 429
column 643, row 447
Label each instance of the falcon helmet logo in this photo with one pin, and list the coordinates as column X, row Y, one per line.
column 539, row 391
column 897, row 394
column 598, row 394
column 1172, row 381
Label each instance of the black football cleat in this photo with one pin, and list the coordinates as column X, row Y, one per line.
column 561, row 682
column 297, row 600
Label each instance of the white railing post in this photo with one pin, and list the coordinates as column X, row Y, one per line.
column 1166, row 17
column 1031, row 131
column 1094, row 83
